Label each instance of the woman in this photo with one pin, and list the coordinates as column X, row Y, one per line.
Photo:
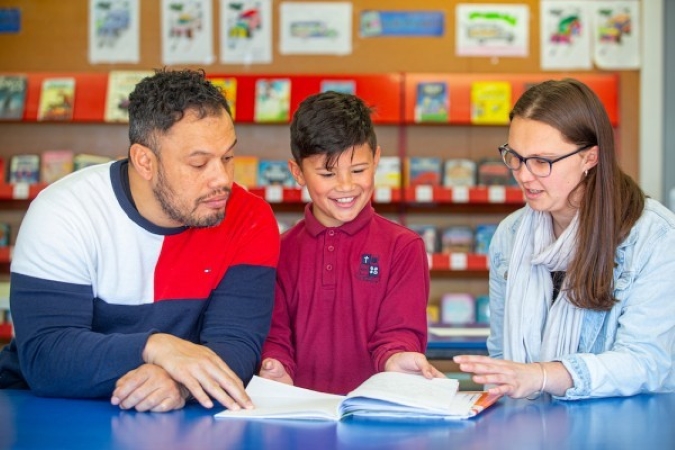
column 582, row 279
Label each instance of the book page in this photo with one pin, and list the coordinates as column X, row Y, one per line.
column 409, row 390
column 278, row 400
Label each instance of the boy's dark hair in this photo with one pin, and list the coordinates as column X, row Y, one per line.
column 161, row 100
column 330, row 123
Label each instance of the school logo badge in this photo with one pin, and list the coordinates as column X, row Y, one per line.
column 369, row 269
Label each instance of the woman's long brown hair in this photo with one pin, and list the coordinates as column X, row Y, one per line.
column 609, row 201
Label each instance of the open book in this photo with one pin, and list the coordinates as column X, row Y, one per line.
column 385, row 394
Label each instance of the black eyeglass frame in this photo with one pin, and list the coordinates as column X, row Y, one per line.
column 504, row 149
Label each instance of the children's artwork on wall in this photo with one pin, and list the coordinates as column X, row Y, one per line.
column 187, row 32
column 617, row 34
column 565, row 39
column 114, row 31
column 245, row 31
column 492, row 30
column 316, row 28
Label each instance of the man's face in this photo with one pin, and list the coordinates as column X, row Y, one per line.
column 195, row 168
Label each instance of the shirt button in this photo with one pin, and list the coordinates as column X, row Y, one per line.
column 331, row 232
column 329, row 267
column 331, row 248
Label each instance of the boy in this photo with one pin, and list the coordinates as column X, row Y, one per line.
column 352, row 286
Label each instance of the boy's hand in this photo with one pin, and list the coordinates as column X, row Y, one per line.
column 412, row 362
column 274, row 370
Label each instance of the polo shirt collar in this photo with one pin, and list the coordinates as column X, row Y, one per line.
column 315, row 227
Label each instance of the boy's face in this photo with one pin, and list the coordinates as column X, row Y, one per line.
column 339, row 194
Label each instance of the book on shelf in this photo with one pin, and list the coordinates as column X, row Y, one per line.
column 342, row 86
column 5, row 233
column 55, row 164
column 459, row 172
column 246, row 170
column 478, row 330
column 432, row 102
column 24, row 168
column 388, row 172
column 228, row 87
column 120, row 84
column 272, row 100
column 275, row 173
column 490, row 102
column 57, row 97
column 82, row 160
column 423, row 171
column 385, row 394
column 12, row 96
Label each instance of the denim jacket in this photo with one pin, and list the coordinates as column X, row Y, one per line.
column 629, row 349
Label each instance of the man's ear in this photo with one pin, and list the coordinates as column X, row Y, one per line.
column 296, row 171
column 143, row 160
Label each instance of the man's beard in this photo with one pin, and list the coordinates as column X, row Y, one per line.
column 165, row 195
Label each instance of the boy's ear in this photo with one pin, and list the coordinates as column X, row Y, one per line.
column 143, row 160
column 376, row 157
column 296, row 171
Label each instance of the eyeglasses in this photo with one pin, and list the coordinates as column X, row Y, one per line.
column 537, row 165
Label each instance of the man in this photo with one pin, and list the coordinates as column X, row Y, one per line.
column 149, row 279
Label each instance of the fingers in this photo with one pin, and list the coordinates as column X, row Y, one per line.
column 148, row 388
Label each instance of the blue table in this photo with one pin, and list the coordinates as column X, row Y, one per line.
column 640, row 422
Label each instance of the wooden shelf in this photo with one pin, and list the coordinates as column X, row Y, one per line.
column 20, row 191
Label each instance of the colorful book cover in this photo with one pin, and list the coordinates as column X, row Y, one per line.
column 57, row 98
column 459, row 172
column 228, row 86
column 274, row 173
column 82, row 160
column 432, row 103
column 423, row 171
column 246, row 171
column 490, row 102
column 272, row 100
column 12, row 96
column 55, row 164
column 120, row 84
column 484, row 233
column 342, row 86
column 24, row 168
column 493, row 172
column 388, row 172
column 429, row 235
column 458, row 309
column 457, row 239
column 5, row 233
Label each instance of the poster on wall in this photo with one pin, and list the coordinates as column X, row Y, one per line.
column 316, row 28
column 187, row 32
column 617, row 34
column 245, row 31
column 492, row 30
column 114, row 31
column 565, row 40
column 375, row 23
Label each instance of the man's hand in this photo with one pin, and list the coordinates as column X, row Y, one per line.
column 199, row 369
column 149, row 388
column 412, row 362
column 272, row 369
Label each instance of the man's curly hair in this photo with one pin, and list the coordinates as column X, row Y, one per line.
column 161, row 100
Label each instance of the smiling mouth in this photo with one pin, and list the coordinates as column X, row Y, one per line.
column 344, row 200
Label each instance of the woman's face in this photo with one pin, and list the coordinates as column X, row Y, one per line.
column 529, row 137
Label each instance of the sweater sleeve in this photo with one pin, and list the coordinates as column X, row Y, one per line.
column 402, row 320
column 279, row 343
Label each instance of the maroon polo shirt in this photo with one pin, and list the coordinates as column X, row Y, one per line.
column 347, row 298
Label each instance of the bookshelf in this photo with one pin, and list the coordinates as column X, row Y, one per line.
column 393, row 97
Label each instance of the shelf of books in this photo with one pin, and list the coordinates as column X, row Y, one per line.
column 456, row 261
column 476, row 99
column 486, row 99
column 103, row 97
